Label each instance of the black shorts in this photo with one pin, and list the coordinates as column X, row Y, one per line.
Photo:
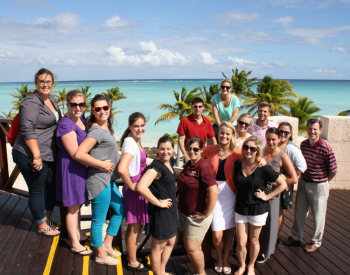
column 287, row 198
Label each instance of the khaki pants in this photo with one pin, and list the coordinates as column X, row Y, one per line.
column 314, row 196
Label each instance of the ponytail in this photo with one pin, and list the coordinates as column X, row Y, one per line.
column 124, row 136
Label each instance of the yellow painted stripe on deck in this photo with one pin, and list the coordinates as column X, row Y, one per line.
column 119, row 266
column 150, row 272
column 86, row 259
column 51, row 255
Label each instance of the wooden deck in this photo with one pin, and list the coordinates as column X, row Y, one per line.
column 24, row 252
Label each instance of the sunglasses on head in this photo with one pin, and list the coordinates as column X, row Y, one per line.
column 81, row 105
column 98, row 109
column 284, row 133
column 244, row 123
column 225, row 87
column 194, row 149
column 252, row 149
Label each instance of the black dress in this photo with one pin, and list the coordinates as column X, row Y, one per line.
column 163, row 221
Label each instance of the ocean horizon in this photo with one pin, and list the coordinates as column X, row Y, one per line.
column 144, row 95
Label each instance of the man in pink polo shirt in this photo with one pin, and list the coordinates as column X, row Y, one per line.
column 259, row 128
column 313, row 188
column 195, row 125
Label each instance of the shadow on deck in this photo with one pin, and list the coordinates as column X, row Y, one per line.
column 24, row 252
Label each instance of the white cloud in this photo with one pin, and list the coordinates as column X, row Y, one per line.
column 148, row 46
column 339, row 49
column 208, row 59
column 12, row 55
column 237, row 18
column 283, row 20
column 277, row 64
column 315, row 36
column 115, row 21
column 252, row 65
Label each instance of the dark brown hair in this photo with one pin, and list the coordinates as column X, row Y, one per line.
column 285, row 123
column 165, row 139
column 194, row 140
column 273, row 130
column 264, row 104
column 92, row 119
column 43, row 71
column 132, row 119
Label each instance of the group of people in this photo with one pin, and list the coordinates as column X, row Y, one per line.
column 234, row 182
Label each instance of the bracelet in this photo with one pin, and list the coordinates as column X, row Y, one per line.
column 160, row 203
column 38, row 157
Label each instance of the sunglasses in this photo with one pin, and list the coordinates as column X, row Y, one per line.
column 252, row 149
column 42, row 82
column 98, row 109
column 194, row 149
column 81, row 105
column 225, row 87
column 198, row 106
column 284, row 133
column 243, row 123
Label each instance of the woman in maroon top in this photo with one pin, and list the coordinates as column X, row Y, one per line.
column 198, row 193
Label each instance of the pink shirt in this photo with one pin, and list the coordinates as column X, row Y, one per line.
column 256, row 131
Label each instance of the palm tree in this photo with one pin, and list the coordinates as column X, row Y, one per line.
column 61, row 97
column 180, row 109
column 241, row 83
column 114, row 94
column 303, row 109
column 207, row 97
column 87, row 96
column 274, row 91
column 22, row 93
column 8, row 115
column 344, row 113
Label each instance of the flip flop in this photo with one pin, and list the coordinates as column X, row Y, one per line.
column 80, row 253
column 138, row 268
column 51, row 223
column 44, row 232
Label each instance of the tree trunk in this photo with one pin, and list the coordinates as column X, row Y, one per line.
column 178, row 155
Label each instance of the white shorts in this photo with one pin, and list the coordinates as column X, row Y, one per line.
column 257, row 220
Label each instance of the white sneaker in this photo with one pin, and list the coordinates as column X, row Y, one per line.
column 115, row 254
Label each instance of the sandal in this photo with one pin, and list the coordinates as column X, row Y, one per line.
column 51, row 224
column 80, row 253
column 218, row 269
column 44, row 232
column 226, row 270
column 138, row 268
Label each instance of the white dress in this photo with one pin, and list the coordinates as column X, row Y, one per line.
column 239, row 142
column 224, row 211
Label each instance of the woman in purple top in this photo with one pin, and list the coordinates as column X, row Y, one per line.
column 71, row 175
column 130, row 169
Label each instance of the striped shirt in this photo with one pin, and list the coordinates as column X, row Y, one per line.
column 320, row 160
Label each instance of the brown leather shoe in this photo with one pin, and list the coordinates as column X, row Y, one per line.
column 291, row 242
column 311, row 248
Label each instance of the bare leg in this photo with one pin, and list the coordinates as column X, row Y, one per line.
column 254, row 233
column 196, row 255
column 228, row 242
column 131, row 239
column 72, row 223
column 242, row 237
column 219, row 246
column 167, row 253
column 281, row 222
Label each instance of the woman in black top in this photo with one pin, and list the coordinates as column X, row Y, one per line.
column 34, row 150
column 252, row 202
column 158, row 186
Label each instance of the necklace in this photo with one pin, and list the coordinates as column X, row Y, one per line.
column 220, row 154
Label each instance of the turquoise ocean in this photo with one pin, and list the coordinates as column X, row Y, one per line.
column 332, row 96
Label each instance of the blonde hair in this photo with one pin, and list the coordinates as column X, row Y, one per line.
column 226, row 80
column 74, row 93
column 233, row 139
column 243, row 116
column 259, row 152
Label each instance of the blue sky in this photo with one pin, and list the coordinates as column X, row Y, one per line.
column 98, row 40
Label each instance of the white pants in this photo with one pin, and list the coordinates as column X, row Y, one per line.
column 224, row 210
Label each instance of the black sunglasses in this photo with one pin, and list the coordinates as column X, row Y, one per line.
column 252, row 149
column 81, row 105
column 194, row 149
column 243, row 123
column 98, row 109
column 225, row 87
column 197, row 106
column 284, row 132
